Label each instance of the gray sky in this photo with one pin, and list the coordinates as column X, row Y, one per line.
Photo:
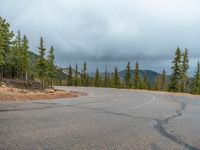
column 109, row 32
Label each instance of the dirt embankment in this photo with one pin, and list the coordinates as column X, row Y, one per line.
column 10, row 93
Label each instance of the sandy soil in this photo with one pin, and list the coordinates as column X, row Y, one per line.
column 15, row 94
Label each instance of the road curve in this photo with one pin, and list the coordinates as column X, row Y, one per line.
column 105, row 119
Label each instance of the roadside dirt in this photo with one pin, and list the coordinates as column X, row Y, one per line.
column 17, row 94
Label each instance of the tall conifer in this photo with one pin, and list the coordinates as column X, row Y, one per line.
column 196, row 82
column 174, row 84
column 70, row 76
column 25, row 58
column 51, row 70
column 97, row 79
column 184, row 71
column 128, row 76
column 136, row 79
column 41, row 62
column 116, row 78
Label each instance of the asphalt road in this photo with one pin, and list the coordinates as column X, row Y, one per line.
column 105, row 119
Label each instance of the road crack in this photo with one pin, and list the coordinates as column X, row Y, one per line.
column 162, row 130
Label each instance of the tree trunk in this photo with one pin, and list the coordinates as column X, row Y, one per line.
column 1, row 73
column 51, row 82
column 42, row 83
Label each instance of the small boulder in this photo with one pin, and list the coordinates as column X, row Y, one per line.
column 23, row 91
column 3, row 84
column 50, row 91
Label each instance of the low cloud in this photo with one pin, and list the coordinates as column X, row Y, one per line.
column 106, row 32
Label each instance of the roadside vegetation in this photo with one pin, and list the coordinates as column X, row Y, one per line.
column 16, row 63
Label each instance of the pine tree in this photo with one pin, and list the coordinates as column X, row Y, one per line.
column 145, row 82
column 97, row 80
column 106, row 79
column 19, row 55
column 174, row 85
column 136, row 80
column 163, row 80
column 1, row 57
column 85, row 78
column 196, row 82
column 76, row 76
column 41, row 62
column 116, row 78
column 25, row 58
column 128, row 76
column 51, row 70
column 5, row 48
column 158, row 83
column 70, row 76
column 184, row 71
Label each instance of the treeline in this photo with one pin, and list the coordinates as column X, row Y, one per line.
column 106, row 79
column 178, row 81
column 15, row 62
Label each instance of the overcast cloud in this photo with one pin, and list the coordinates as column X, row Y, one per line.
column 109, row 32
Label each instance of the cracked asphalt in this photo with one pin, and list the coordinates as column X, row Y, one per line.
column 105, row 119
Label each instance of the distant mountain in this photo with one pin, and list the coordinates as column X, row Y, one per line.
column 151, row 75
column 66, row 71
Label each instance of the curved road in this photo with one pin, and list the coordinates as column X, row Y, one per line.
column 105, row 119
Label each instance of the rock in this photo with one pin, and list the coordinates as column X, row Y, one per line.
column 3, row 84
column 50, row 90
column 23, row 91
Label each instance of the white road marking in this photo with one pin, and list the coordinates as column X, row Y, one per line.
column 139, row 106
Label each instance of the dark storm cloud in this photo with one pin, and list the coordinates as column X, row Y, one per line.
column 101, row 31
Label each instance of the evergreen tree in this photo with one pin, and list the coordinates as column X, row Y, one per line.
column 163, row 80
column 70, row 77
column 1, row 57
column 158, row 83
column 128, row 76
column 51, row 70
column 196, row 82
column 184, row 71
column 76, row 76
column 97, row 80
column 174, row 85
column 145, row 81
column 106, row 79
column 5, row 48
column 136, row 80
column 41, row 62
column 85, row 78
column 19, row 55
column 116, row 78
column 111, row 78
column 25, row 58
